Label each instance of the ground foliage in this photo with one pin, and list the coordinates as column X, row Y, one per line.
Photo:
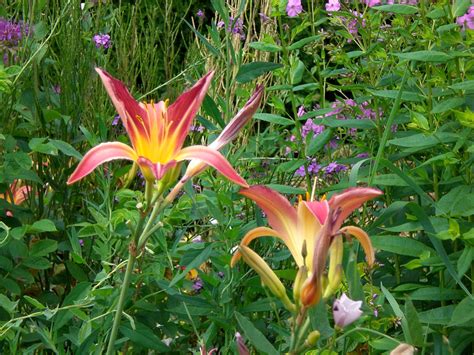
column 378, row 96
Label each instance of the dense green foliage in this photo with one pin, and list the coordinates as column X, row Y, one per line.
column 380, row 97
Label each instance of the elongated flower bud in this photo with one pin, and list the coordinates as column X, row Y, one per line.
column 335, row 268
column 301, row 277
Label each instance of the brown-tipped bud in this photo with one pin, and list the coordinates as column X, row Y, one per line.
column 311, row 292
column 301, row 277
column 312, row 338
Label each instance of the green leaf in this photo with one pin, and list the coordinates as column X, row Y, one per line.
column 43, row 247
column 198, row 260
column 398, row 312
column 7, row 305
column 463, row 85
column 272, row 118
column 34, row 302
column 318, row 142
column 460, row 7
column 78, row 293
column 39, row 145
column 284, row 189
column 425, row 56
column 303, row 42
column 397, row 9
column 436, row 294
column 448, row 104
column 37, row 263
column 266, row 47
column 423, row 140
column 250, row 71
column 66, row 148
column 144, row 337
column 41, row 226
column 413, row 321
column 203, row 39
column 254, row 336
column 464, row 312
column 349, row 123
column 400, row 245
column 440, row 315
column 465, row 260
column 392, row 94
column 457, row 202
column 465, row 118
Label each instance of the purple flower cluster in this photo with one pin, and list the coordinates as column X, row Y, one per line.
column 313, row 169
column 334, row 168
column 102, row 40
column 467, row 20
column 236, row 27
column 333, row 5
column 371, row 3
column 11, row 32
column 294, row 8
column 200, row 14
column 198, row 285
column 309, row 127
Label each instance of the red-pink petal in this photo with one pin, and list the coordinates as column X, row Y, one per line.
column 100, row 154
column 213, row 158
column 319, row 209
column 181, row 113
column 350, row 200
column 130, row 111
column 281, row 215
column 240, row 120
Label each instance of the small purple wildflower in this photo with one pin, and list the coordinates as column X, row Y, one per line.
column 197, row 239
column 376, row 312
column 301, row 111
column 333, row 5
column 200, row 14
column 313, row 169
column 334, row 168
column 294, row 8
column 221, row 274
column 264, row 18
column 116, row 120
column 57, row 89
column 102, row 40
column 196, row 128
column 81, row 242
column 198, row 285
column 371, row 3
column 220, row 24
column 310, row 126
column 362, row 155
column 287, row 150
column 466, row 20
column 11, row 33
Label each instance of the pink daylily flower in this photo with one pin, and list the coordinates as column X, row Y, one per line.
column 19, row 193
column 308, row 229
column 229, row 132
column 157, row 133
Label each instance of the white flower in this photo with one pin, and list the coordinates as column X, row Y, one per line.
column 346, row 311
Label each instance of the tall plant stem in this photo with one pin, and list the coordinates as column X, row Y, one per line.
column 123, row 294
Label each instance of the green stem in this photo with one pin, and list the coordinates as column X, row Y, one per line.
column 121, row 302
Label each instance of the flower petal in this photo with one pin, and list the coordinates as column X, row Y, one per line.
column 132, row 114
column 213, row 158
column 350, row 200
column 264, row 232
column 240, row 120
column 181, row 112
column 319, row 209
column 100, row 154
column 230, row 131
column 363, row 239
column 309, row 225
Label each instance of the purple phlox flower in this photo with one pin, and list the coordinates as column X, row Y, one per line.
column 264, row 18
column 294, row 8
column 334, row 168
column 220, row 24
column 116, row 120
column 467, row 20
column 81, row 242
column 200, row 14
column 346, row 311
column 333, row 143
column 236, row 26
column 198, row 285
column 313, row 168
column 301, row 111
column 333, row 5
column 371, row 3
column 350, row 103
column 310, row 126
column 292, row 138
column 362, row 155
column 102, row 40
column 300, row 171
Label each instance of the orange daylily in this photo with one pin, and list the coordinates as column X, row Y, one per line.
column 308, row 231
column 157, row 133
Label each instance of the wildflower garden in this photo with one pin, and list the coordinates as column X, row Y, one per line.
column 236, row 177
